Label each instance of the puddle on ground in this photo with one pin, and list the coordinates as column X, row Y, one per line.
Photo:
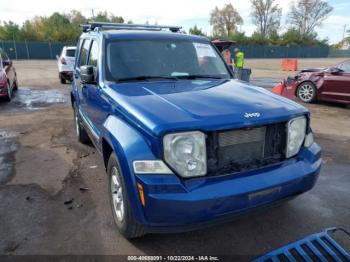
column 265, row 82
column 8, row 148
column 26, row 99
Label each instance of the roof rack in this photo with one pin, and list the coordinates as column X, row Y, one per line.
column 93, row 26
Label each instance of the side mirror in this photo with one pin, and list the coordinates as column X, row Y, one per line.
column 87, row 74
column 335, row 70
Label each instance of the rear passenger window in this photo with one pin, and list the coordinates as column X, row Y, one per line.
column 84, row 52
column 93, row 54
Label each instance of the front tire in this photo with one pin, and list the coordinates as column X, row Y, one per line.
column 63, row 81
column 80, row 130
column 307, row 92
column 9, row 93
column 119, row 201
column 15, row 84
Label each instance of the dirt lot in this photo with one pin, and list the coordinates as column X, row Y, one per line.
column 42, row 166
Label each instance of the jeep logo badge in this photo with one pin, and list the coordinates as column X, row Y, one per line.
column 250, row 115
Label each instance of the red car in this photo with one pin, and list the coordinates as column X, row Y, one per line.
column 319, row 84
column 8, row 77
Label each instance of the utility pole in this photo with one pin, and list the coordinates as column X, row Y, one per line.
column 92, row 13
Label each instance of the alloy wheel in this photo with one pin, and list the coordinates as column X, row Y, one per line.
column 117, row 195
column 306, row 92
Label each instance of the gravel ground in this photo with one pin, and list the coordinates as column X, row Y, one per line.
column 42, row 166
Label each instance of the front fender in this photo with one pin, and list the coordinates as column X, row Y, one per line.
column 128, row 144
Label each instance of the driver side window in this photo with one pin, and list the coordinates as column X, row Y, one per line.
column 84, row 52
column 93, row 57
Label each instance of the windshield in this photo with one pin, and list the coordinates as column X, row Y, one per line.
column 140, row 59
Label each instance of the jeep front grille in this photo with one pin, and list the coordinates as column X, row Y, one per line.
column 245, row 149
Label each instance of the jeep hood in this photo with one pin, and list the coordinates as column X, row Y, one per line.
column 166, row 106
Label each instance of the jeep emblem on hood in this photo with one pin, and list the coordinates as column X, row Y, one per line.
column 249, row 115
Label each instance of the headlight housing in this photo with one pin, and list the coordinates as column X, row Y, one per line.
column 186, row 153
column 296, row 135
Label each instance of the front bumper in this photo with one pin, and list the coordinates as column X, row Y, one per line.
column 286, row 88
column 174, row 205
column 3, row 91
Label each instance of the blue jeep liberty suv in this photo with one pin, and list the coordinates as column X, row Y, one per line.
column 184, row 144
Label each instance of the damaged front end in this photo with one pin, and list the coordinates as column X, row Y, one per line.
column 288, row 87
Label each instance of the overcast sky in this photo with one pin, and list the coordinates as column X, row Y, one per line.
column 178, row 12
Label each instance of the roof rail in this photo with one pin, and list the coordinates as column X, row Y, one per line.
column 91, row 26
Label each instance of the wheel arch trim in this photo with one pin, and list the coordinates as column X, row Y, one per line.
column 128, row 145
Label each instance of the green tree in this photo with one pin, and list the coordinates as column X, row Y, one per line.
column 259, row 39
column 57, row 27
column 106, row 17
column 10, row 31
column 239, row 37
column 196, row 31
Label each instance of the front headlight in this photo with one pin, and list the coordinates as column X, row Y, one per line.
column 186, row 153
column 296, row 135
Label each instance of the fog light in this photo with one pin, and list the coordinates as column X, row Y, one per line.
column 151, row 167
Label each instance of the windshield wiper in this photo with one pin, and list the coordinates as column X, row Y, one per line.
column 199, row 77
column 142, row 78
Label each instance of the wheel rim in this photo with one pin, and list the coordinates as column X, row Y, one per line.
column 306, row 92
column 117, row 195
column 77, row 124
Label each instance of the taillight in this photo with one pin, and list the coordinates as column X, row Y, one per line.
column 63, row 61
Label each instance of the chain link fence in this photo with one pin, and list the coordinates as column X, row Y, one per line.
column 339, row 53
column 32, row 50
column 47, row 50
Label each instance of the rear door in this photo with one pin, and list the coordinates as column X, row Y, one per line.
column 97, row 103
column 81, row 89
column 336, row 86
column 8, row 68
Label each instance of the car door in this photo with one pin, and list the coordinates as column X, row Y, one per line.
column 336, row 85
column 80, row 87
column 8, row 67
column 344, row 87
column 97, row 104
